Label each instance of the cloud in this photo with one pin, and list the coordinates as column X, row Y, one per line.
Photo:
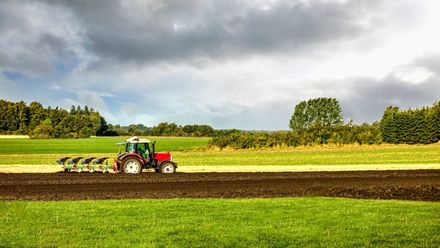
column 54, row 86
column 185, row 31
column 231, row 64
column 37, row 37
column 365, row 98
column 430, row 62
column 89, row 98
column 235, row 95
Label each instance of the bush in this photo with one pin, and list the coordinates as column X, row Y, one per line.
column 418, row 126
column 316, row 135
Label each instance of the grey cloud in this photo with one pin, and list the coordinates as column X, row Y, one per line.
column 184, row 30
column 364, row 99
column 367, row 98
column 34, row 38
column 361, row 99
column 274, row 116
column 149, row 34
column 430, row 62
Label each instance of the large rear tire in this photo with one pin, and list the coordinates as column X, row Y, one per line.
column 131, row 166
column 167, row 168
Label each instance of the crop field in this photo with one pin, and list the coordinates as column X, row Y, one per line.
column 387, row 154
column 281, row 222
column 253, row 209
column 193, row 152
column 91, row 145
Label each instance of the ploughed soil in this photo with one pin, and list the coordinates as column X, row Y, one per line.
column 406, row 185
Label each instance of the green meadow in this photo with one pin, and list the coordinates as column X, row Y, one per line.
column 91, row 145
column 193, row 151
column 343, row 155
column 280, row 222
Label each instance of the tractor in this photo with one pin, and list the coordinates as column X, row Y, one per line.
column 140, row 155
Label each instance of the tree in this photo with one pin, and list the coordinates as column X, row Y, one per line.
column 44, row 130
column 23, row 116
column 37, row 115
column 167, row 129
column 412, row 126
column 318, row 112
column 86, row 110
column 72, row 110
column 388, row 125
column 434, row 122
column 40, row 122
column 198, row 130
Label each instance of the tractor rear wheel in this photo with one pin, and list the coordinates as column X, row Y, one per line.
column 131, row 166
column 167, row 168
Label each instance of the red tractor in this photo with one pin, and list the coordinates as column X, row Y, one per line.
column 140, row 155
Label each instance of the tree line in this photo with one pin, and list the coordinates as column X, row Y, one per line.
column 412, row 126
column 315, row 121
column 40, row 122
column 314, row 135
column 320, row 121
column 162, row 129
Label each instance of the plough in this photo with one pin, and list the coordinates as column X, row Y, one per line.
column 85, row 164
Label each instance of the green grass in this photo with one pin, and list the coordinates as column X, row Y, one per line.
column 92, row 145
column 192, row 151
column 282, row 222
column 365, row 155
column 389, row 154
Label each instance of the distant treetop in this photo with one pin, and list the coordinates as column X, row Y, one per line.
column 324, row 112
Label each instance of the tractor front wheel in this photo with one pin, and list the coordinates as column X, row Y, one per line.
column 167, row 168
column 131, row 166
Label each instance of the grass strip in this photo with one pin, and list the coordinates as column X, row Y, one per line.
column 281, row 222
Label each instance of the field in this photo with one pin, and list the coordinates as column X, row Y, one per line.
column 404, row 185
column 281, row 222
column 193, row 152
column 254, row 209
column 92, row 145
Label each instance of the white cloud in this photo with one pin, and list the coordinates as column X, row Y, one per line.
column 414, row 75
column 229, row 64
column 54, row 86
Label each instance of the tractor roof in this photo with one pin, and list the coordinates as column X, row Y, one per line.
column 134, row 140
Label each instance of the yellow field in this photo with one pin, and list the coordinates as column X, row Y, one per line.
column 3, row 136
column 17, row 168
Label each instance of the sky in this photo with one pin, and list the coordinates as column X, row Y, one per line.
column 230, row 64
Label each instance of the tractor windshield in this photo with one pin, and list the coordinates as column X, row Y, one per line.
column 139, row 148
column 131, row 147
column 143, row 150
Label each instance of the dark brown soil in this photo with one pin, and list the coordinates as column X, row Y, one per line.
column 407, row 185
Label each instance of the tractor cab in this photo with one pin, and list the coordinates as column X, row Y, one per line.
column 140, row 147
column 140, row 155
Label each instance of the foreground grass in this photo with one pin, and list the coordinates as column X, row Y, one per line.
column 221, row 222
column 343, row 155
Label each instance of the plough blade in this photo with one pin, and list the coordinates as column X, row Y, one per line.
column 82, row 164
column 62, row 160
